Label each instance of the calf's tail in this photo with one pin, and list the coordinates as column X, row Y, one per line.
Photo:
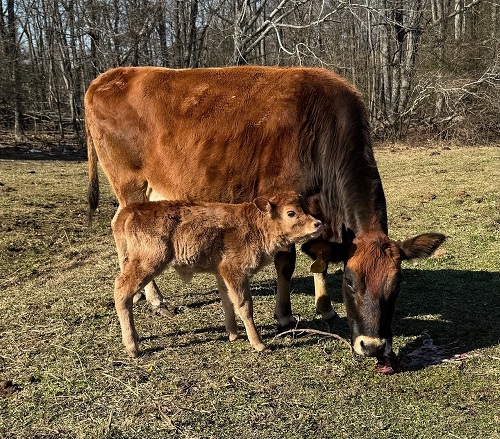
column 93, row 189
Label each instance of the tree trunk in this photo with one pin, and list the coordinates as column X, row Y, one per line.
column 240, row 18
column 162, row 36
column 12, row 51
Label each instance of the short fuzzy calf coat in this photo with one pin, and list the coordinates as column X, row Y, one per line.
column 233, row 241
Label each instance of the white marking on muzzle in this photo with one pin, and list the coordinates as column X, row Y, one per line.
column 363, row 344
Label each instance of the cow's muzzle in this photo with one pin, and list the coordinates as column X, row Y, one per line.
column 372, row 346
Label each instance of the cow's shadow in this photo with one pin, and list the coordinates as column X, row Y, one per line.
column 458, row 311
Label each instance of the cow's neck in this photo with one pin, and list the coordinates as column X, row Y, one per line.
column 353, row 197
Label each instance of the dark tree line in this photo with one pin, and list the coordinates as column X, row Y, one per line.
column 430, row 67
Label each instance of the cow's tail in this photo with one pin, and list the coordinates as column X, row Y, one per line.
column 93, row 189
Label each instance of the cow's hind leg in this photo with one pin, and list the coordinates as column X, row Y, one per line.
column 227, row 305
column 284, row 262
column 159, row 304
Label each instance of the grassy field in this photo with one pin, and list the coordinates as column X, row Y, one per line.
column 64, row 373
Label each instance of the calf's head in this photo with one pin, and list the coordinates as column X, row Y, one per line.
column 286, row 210
column 370, row 286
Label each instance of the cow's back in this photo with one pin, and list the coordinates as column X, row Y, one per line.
column 232, row 134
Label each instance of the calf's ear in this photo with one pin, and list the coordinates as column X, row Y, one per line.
column 421, row 246
column 263, row 204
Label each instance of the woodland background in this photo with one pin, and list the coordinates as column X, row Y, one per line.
column 428, row 69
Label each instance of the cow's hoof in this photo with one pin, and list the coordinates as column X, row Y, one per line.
column 293, row 325
column 138, row 297
column 234, row 337
column 329, row 316
column 132, row 352
column 336, row 322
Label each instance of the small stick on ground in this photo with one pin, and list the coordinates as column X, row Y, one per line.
column 316, row 332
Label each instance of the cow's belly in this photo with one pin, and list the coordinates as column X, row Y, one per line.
column 227, row 187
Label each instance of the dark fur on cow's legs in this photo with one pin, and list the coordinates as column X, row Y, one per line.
column 284, row 262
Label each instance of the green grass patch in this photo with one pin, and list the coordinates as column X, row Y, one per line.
column 60, row 338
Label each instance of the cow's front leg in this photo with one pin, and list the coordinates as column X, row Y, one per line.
column 284, row 262
column 322, row 252
column 321, row 297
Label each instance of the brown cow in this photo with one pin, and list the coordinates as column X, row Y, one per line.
column 233, row 134
column 233, row 241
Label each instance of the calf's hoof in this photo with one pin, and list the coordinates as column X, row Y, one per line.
column 260, row 347
column 132, row 352
column 164, row 310
column 234, row 337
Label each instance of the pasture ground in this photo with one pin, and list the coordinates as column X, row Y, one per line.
column 64, row 373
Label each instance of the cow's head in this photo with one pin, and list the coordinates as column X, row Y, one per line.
column 370, row 287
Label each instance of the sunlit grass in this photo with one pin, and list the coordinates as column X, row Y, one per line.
column 60, row 338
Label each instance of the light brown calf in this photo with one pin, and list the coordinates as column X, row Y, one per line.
column 233, row 241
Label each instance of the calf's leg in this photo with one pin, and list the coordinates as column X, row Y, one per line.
column 125, row 288
column 239, row 294
column 135, row 275
column 151, row 291
column 227, row 305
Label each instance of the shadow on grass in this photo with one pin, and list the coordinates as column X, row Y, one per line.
column 30, row 152
column 459, row 310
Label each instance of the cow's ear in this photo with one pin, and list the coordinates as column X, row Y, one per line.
column 263, row 204
column 421, row 246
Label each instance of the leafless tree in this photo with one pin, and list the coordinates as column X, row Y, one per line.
column 421, row 64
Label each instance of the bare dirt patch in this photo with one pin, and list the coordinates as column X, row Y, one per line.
column 7, row 389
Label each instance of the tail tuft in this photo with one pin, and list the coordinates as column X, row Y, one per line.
column 93, row 189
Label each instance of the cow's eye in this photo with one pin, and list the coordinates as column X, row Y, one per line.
column 291, row 214
column 349, row 285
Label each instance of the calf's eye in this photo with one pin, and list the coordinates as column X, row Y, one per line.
column 291, row 213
